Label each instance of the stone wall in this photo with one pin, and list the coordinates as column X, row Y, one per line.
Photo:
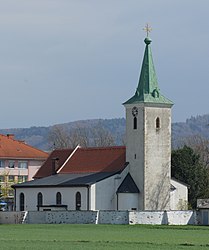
column 113, row 217
column 11, row 217
column 164, row 217
column 102, row 217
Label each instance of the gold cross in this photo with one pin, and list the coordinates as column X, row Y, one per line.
column 147, row 29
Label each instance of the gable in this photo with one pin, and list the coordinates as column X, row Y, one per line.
column 128, row 185
column 46, row 169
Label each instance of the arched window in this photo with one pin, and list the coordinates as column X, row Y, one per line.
column 157, row 123
column 22, row 202
column 135, row 122
column 58, row 198
column 39, row 199
column 78, row 201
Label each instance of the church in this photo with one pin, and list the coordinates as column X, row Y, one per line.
column 132, row 177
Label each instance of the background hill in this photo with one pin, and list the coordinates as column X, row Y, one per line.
column 39, row 136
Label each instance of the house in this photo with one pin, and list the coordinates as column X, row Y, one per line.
column 203, row 208
column 135, row 177
column 18, row 163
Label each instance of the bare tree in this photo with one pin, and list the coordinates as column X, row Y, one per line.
column 58, row 137
column 79, row 136
column 96, row 136
column 201, row 146
column 102, row 137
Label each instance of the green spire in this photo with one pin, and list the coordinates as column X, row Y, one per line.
column 148, row 90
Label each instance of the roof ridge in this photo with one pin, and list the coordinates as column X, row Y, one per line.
column 102, row 148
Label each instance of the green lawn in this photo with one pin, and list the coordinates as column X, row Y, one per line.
column 103, row 237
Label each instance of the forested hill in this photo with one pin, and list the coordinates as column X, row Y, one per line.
column 39, row 136
column 198, row 125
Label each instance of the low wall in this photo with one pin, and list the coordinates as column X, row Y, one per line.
column 58, row 217
column 10, row 217
column 102, row 217
column 146, row 217
column 113, row 217
column 163, row 217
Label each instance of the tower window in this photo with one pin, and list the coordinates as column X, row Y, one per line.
column 135, row 123
column 157, row 123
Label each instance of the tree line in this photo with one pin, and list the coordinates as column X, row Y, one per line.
column 96, row 136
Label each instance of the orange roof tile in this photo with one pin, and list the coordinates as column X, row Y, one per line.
column 10, row 148
column 85, row 160
column 92, row 160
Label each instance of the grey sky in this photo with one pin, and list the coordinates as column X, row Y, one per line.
column 66, row 60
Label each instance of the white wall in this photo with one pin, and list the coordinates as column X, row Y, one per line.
column 104, row 192
column 148, row 150
column 163, row 217
column 49, row 197
column 105, row 217
column 157, row 158
column 128, row 201
column 135, row 149
column 102, row 195
column 179, row 196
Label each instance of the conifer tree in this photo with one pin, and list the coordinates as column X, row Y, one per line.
column 187, row 167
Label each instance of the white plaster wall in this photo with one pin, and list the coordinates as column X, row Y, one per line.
column 157, row 158
column 104, row 192
column 127, row 201
column 146, row 217
column 148, row 150
column 179, row 196
column 135, row 149
column 71, row 217
column 49, row 197
column 105, row 217
column 113, row 217
column 182, row 217
column 92, row 197
column 163, row 217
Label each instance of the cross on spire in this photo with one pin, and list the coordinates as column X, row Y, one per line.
column 147, row 29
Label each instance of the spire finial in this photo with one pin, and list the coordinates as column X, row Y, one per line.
column 147, row 29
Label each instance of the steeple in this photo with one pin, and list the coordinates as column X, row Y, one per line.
column 148, row 90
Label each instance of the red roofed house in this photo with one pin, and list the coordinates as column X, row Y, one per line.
column 137, row 176
column 18, row 163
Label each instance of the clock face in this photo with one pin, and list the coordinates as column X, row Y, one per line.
column 134, row 111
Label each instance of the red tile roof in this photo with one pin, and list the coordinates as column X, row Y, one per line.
column 85, row 160
column 108, row 159
column 13, row 149
column 46, row 168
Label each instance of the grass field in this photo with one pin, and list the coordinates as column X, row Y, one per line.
column 96, row 237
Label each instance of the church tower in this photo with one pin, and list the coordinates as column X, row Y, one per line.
column 148, row 138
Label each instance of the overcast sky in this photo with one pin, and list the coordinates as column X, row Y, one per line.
column 67, row 60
